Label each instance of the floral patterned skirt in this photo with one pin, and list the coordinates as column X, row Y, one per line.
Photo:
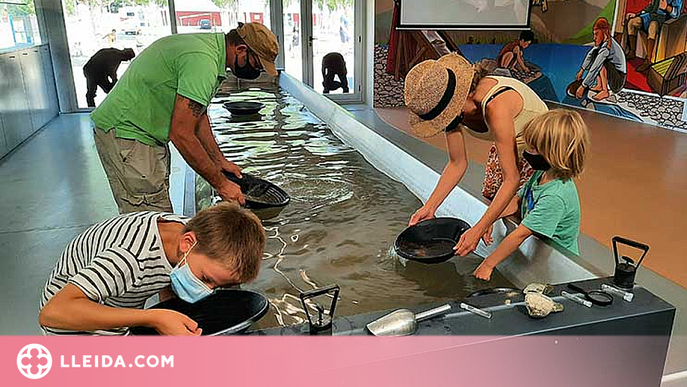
column 493, row 175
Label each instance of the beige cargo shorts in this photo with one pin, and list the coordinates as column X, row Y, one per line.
column 138, row 173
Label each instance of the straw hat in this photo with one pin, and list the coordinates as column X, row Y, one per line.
column 435, row 92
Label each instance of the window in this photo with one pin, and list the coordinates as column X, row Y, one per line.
column 92, row 27
column 18, row 25
column 219, row 15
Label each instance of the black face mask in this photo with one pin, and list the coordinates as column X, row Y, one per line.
column 245, row 72
column 537, row 162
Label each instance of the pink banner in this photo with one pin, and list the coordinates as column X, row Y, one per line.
column 558, row 361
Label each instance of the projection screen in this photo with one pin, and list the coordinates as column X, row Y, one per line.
column 465, row 14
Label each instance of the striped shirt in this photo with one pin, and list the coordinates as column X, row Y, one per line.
column 119, row 263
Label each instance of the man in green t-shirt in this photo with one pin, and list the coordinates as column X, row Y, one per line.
column 162, row 97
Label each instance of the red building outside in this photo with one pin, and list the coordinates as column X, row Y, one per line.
column 191, row 12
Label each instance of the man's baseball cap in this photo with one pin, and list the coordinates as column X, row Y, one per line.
column 262, row 42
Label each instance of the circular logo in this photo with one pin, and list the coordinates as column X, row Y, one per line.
column 34, row 361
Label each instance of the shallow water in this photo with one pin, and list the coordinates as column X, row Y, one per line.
column 343, row 217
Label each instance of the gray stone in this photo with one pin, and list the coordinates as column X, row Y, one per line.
column 388, row 92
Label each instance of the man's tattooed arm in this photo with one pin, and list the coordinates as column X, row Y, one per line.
column 195, row 108
column 183, row 133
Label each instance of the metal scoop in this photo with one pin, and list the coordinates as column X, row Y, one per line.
column 403, row 322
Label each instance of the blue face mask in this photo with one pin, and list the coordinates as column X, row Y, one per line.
column 185, row 284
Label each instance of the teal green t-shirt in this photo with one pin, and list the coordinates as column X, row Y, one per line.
column 140, row 105
column 552, row 210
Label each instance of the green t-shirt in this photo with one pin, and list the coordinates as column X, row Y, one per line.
column 140, row 105
column 552, row 210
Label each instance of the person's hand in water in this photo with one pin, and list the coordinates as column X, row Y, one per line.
column 421, row 214
column 468, row 242
column 230, row 191
column 483, row 271
column 487, row 238
column 232, row 168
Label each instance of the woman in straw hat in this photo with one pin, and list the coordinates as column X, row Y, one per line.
column 452, row 96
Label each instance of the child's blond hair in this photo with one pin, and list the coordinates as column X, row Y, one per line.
column 232, row 235
column 561, row 137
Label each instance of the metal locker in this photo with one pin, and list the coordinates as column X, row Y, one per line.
column 3, row 143
column 32, row 75
column 4, row 148
column 53, row 108
column 4, row 103
column 13, row 101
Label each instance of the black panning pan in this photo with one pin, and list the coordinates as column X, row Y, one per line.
column 226, row 312
column 245, row 108
column 430, row 241
column 259, row 193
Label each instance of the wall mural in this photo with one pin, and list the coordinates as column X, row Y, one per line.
column 652, row 34
column 630, row 62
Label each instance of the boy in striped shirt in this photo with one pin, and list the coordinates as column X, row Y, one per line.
column 103, row 278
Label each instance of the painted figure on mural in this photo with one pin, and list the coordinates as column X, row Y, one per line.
column 437, row 42
column 604, row 65
column 649, row 20
column 512, row 55
column 544, row 4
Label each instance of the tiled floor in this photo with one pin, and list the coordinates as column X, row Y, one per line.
column 635, row 186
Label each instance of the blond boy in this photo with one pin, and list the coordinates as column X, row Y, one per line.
column 557, row 144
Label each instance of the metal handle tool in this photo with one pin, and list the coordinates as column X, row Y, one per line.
column 432, row 312
column 573, row 297
column 323, row 323
column 627, row 296
column 477, row 311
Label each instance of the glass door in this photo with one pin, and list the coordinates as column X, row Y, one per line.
column 323, row 46
column 321, row 40
column 332, row 49
column 293, row 53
